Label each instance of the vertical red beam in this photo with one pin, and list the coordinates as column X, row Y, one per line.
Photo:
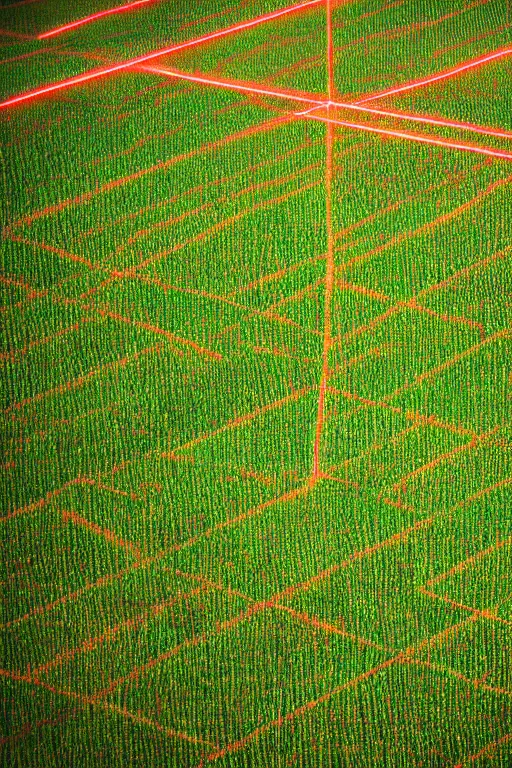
column 329, row 269
column 330, row 52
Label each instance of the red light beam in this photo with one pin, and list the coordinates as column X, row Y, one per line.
column 92, row 17
column 440, row 76
column 234, row 86
column 412, row 137
column 95, row 74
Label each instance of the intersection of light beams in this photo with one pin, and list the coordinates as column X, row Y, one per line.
column 139, row 63
column 292, row 95
column 97, row 73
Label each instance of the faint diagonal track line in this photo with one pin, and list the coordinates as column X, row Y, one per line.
column 240, row 421
column 250, row 311
column 81, row 380
column 412, row 302
column 471, row 759
column 266, row 125
column 430, row 225
column 109, row 535
column 219, row 226
column 478, row 612
column 106, row 706
column 110, row 633
column 503, row 334
column 33, row 506
column 459, row 676
column 414, row 416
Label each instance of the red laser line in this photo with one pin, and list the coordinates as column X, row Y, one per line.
column 469, row 561
column 235, row 86
column 330, row 51
column 15, row 35
column 110, row 633
column 94, row 74
column 488, row 748
column 440, row 76
column 412, row 137
column 92, row 17
column 329, row 262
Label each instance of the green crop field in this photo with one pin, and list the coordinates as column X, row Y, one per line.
column 256, row 403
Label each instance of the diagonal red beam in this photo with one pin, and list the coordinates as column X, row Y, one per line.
column 97, row 73
column 91, row 18
column 412, row 137
column 232, row 85
column 447, row 73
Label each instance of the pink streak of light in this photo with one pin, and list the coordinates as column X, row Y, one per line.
column 441, row 76
column 93, row 17
column 412, row 137
column 233, row 85
column 94, row 74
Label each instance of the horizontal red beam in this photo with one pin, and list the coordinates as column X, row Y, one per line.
column 97, row 73
column 92, row 17
column 411, row 136
column 471, row 64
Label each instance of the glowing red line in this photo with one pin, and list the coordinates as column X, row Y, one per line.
column 92, row 17
column 330, row 50
column 92, row 75
column 232, row 85
column 413, row 137
column 440, row 76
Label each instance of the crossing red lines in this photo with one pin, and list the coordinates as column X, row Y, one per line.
column 319, row 392
column 293, row 95
column 109, row 535
column 103, row 71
